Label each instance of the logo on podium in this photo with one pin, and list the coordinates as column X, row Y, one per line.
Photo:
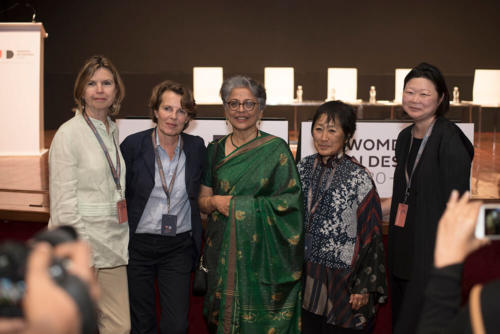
column 8, row 54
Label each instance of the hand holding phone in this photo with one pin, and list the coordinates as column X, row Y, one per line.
column 488, row 222
column 455, row 235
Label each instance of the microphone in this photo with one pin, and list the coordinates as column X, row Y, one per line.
column 33, row 10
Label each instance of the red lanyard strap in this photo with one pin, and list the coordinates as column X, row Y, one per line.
column 168, row 191
column 417, row 159
column 115, row 172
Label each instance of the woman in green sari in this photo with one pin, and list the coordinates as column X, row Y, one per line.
column 254, row 234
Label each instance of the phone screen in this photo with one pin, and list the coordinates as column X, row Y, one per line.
column 492, row 221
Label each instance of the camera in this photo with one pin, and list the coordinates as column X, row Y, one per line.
column 488, row 222
column 13, row 259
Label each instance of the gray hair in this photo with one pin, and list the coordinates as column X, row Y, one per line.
column 240, row 81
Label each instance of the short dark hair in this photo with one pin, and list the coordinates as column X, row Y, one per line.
column 241, row 81
column 338, row 110
column 433, row 74
column 187, row 99
column 87, row 71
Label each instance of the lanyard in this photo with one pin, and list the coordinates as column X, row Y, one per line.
column 168, row 191
column 417, row 159
column 115, row 172
column 319, row 195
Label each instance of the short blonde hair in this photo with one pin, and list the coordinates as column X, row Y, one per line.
column 89, row 68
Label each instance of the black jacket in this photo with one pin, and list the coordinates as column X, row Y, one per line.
column 445, row 165
column 138, row 153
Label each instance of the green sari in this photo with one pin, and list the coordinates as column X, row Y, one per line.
column 254, row 256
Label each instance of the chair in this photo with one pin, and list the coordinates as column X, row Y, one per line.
column 206, row 84
column 342, row 84
column 486, row 88
column 279, row 83
column 400, row 74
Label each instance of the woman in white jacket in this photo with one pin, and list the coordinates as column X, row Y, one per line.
column 87, row 186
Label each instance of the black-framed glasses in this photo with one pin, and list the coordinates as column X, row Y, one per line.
column 248, row 105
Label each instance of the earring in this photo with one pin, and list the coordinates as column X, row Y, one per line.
column 115, row 107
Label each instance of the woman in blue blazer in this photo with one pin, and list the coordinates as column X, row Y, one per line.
column 163, row 180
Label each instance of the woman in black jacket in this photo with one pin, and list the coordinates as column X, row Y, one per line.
column 164, row 167
column 434, row 157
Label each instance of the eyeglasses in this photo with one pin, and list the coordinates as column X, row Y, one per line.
column 248, row 105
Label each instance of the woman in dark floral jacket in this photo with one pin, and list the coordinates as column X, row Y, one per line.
column 345, row 277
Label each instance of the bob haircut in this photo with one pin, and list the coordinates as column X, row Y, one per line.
column 240, row 81
column 341, row 112
column 433, row 74
column 89, row 68
column 187, row 99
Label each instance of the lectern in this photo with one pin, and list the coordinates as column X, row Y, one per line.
column 21, row 88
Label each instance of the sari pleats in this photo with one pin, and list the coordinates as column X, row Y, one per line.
column 255, row 255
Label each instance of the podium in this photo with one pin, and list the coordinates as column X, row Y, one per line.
column 21, row 89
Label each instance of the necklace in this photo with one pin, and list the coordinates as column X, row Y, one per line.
column 232, row 142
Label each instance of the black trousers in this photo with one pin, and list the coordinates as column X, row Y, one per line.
column 167, row 260
column 398, row 289
column 407, row 304
column 316, row 324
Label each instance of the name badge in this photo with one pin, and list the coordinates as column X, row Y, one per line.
column 401, row 215
column 121, row 208
column 169, row 225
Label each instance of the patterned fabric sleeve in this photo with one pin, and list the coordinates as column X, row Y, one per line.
column 369, row 272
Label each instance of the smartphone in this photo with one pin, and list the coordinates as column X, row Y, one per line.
column 488, row 222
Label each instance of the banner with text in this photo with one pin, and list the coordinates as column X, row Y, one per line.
column 373, row 146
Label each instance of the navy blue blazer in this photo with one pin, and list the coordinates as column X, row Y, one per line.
column 138, row 153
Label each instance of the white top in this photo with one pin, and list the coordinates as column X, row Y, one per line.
column 82, row 191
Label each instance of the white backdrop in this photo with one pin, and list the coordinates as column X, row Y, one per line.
column 373, row 146
column 205, row 128
column 21, row 88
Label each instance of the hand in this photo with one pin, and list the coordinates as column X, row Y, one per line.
column 221, row 204
column 385, row 204
column 358, row 300
column 63, row 315
column 80, row 255
column 455, row 235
